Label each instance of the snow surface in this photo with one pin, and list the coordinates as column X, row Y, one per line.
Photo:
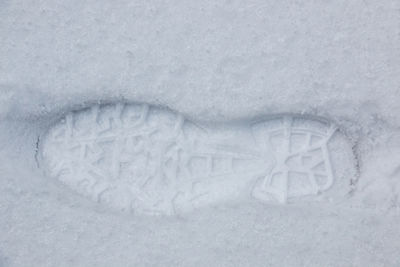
column 209, row 60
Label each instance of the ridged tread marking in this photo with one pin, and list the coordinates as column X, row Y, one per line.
column 150, row 160
column 282, row 190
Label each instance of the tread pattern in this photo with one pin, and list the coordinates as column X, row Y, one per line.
column 302, row 164
column 145, row 159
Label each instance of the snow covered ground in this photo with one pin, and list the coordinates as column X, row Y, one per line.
column 218, row 62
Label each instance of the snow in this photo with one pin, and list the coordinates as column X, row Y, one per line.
column 210, row 61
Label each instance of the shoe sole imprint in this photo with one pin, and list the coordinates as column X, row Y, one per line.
column 151, row 160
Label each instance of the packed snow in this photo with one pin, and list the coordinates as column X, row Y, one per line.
column 215, row 63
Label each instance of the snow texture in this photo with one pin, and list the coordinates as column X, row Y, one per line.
column 220, row 65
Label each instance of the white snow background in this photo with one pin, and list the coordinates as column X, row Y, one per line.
column 214, row 61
